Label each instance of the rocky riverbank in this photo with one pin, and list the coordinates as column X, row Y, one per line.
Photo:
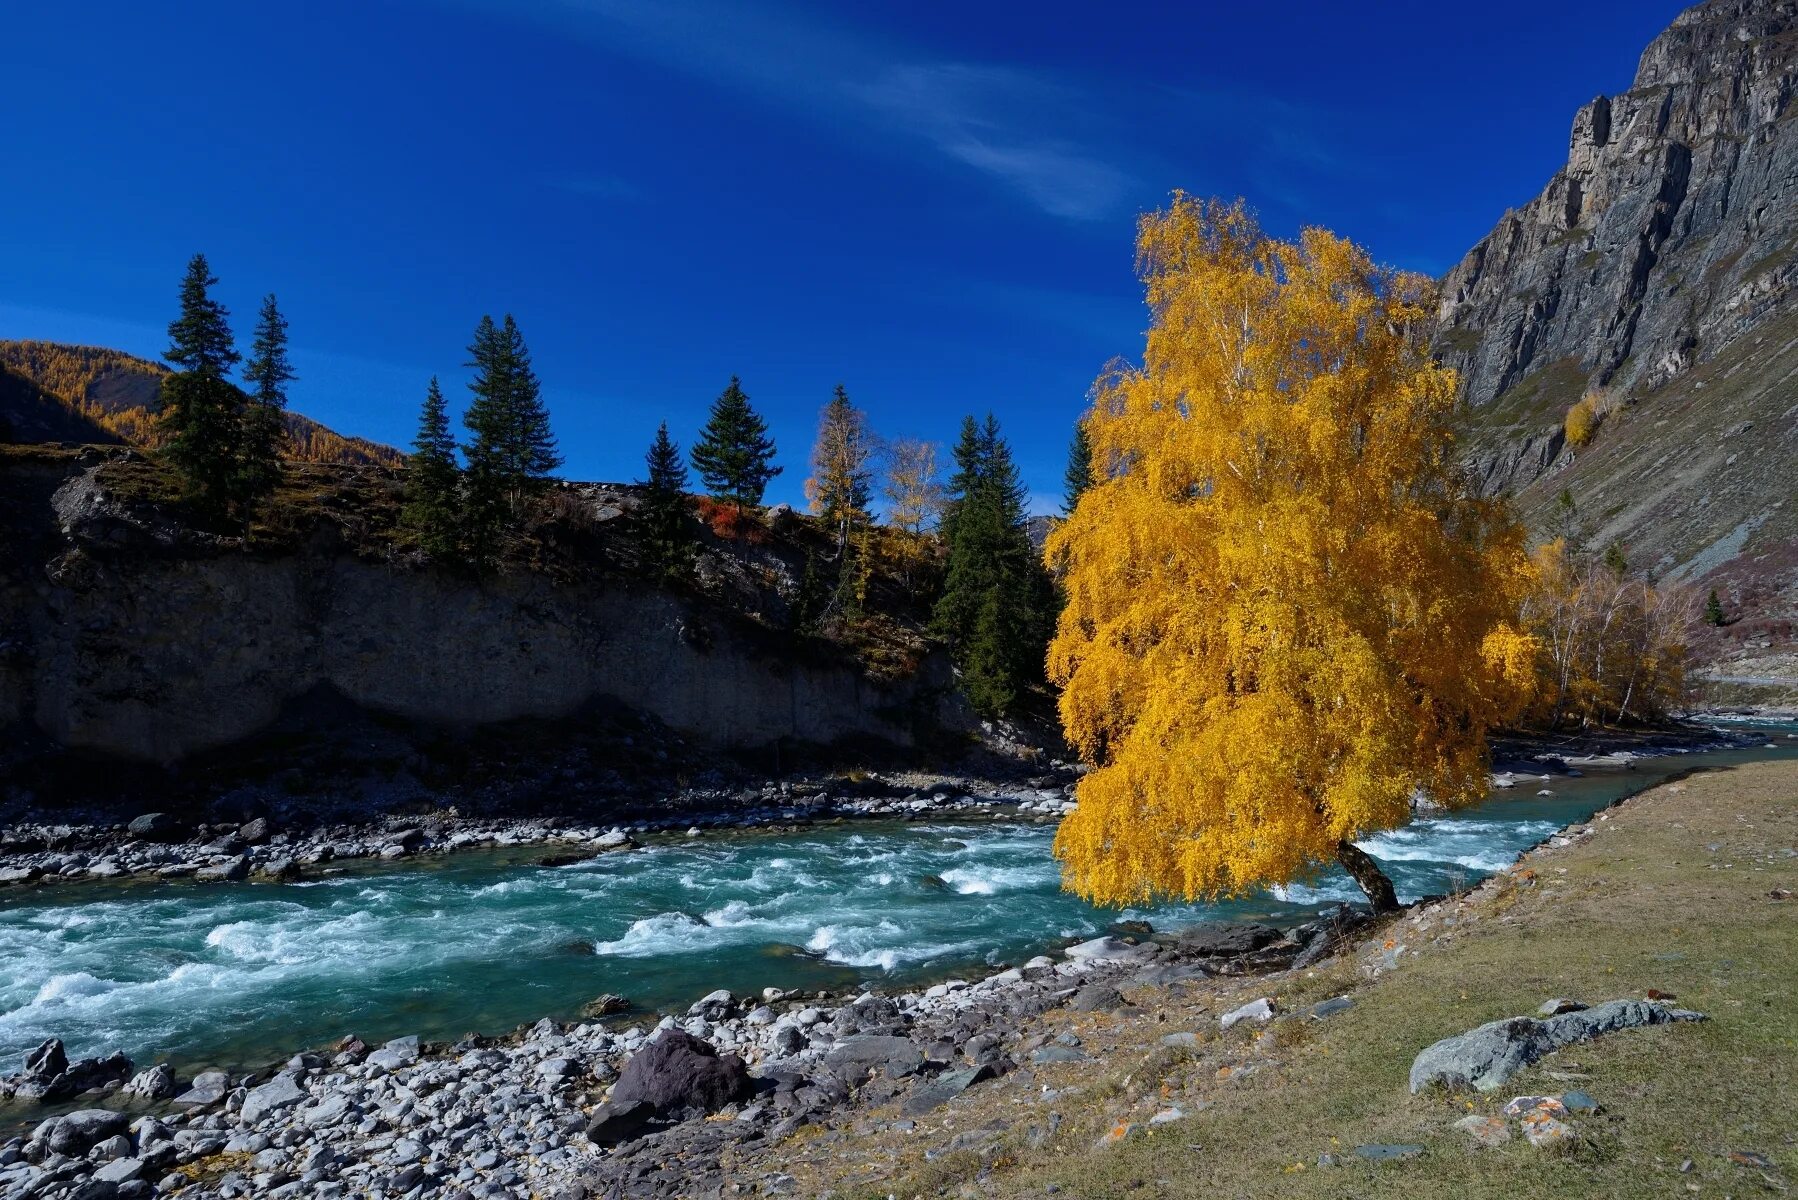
column 160, row 845
column 590, row 1108
column 580, row 1109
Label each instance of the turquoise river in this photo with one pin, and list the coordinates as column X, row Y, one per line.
column 239, row 974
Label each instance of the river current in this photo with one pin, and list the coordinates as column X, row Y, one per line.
column 235, row 975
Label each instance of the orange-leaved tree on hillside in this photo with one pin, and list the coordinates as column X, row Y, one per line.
column 1286, row 610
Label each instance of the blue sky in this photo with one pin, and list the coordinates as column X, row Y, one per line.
column 930, row 202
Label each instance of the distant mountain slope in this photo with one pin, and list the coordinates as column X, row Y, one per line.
column 29, row 413
column 115, row 393
column 1658, row 271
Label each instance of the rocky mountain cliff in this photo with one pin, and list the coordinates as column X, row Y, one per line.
column 1658, row 273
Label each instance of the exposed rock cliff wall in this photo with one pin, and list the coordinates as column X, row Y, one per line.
column 1659, row 270
column 158, row 656
column 1671, row 233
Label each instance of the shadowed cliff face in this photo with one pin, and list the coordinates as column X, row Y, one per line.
column 157, row 656
column 1659, row 269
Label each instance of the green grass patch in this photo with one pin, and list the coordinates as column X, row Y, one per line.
column 1673, row 892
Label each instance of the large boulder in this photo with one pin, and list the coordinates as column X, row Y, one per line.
column 157, row 1083
column 159, row 827
column 681, row 1076
column 400, row 1052
column 76, row 1133
column 283, row 1091
column 613, row 1123
column 867, row 1054
column 1227, row 940
column 47, row 1061
column 1110, row 949
column 1484, row 1058
column 234, row 870
column 49, row 1077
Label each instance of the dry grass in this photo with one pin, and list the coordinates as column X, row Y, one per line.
column 1646, row 902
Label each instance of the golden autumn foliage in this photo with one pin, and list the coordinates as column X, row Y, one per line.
column 1612, row 646
column 842, row 470
column 118, row 392
column 1285, row 608
column 1584, row 418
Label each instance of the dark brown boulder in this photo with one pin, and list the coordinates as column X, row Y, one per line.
column 681, row 1076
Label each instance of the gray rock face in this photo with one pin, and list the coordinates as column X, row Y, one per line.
column 1484, row 1058
column 1669, row 234
column 1659, row 271
column 944, row 1088
column 400, row 1052
column 144, row 662
column 235, row 871
column 47, row 1061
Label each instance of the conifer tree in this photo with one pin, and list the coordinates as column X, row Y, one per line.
column 433, row 481
column 201, row 412
column 996, row 607
column 513, row 450
column 668, row 542
column 1713, row 610
column 735, row 455
column 842, row 475
column 969, row 468
column 268, row 372
column 1079, row 475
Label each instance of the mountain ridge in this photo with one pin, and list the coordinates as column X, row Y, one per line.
column 115, row 393
column 1654, row 282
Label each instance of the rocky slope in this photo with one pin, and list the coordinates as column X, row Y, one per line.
column 92, row 394
column 127, row 633
column 1659, row 269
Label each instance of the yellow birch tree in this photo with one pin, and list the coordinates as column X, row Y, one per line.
column 1285, row 607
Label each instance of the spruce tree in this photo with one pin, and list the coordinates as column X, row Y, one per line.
column 268, row 372
column 668, row 541
column 997, row 599
column 1713, row 610
column 201, row 413
column 513, row 451
column 735, row 455
column 433, row 481
column 1079, row 475
column 970, row 466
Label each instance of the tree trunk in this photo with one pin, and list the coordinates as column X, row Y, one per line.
column 1366, row 872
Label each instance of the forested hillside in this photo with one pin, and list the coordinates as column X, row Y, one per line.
column 108, row 395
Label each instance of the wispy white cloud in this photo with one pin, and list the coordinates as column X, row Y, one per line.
column 1002, row 122
column 985, row 117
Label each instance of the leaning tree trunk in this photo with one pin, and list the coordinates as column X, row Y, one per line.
column 1365, row 871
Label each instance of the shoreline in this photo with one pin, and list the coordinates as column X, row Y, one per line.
column 563, row 1068
column 284, row 846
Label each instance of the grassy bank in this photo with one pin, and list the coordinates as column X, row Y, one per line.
column 1674, row 890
